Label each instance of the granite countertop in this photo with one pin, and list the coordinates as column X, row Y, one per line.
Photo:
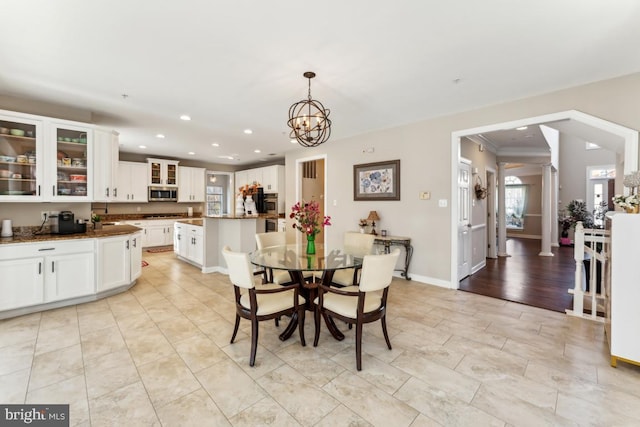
column 198, row 221
column 260, row 216
column 147, row 216
column 107, row 231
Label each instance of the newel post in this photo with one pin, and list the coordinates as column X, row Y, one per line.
column 578, row 255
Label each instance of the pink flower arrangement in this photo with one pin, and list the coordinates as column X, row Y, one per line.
column 308, row 218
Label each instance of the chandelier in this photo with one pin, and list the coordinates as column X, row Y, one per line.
column 309, row 120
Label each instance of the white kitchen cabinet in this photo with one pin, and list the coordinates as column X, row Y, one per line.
column 135, row 249
column 23, row 282
column 163, row 172
column 37, row 273
column 158, row 234
column 273, row 179
column 70, row 275
column 106, row 166
column 132, row 182
column 69, row 162
column 241, row 179
column 254, row 176
column 119, row 261
column 189, row 242
column 26, row 182
column 191, row 184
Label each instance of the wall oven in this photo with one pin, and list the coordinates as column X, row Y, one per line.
column 271, row 204
column 163, row 194
column 271, row 225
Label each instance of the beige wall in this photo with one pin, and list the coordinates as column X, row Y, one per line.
column 424, row 149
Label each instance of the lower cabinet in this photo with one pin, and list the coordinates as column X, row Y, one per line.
column 188, row 242
column 119, row 261
column 158, row 235
column 45, row 272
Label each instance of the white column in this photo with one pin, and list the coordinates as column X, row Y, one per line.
column 554, row 208
column 545, row 245
column 502, row 219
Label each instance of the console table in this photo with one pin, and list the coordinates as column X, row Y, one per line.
column 388, row 241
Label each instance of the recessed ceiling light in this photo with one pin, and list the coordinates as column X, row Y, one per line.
column 161, row 136
column 191, row 153
column 248, row 131
column 256, row 151
column 226, row 157
column 142, row 146
column 522, row 128
column 215, row 144
column 185, row 117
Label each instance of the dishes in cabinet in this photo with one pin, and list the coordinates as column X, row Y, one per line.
column 4, row 131
column 5, row 173
column 17, row 132
column 64, row 191
column 78, row 162
column 79, row 178
column 15, row 193
column 8, row 159
column 16, row 176
column 63, row 176
column 22, row 159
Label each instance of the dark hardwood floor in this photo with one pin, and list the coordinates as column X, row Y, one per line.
column 527, row 278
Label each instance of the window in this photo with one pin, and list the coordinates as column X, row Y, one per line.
column 515, row 202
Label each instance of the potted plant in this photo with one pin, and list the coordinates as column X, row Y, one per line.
column 362, row 224
column 97, row 222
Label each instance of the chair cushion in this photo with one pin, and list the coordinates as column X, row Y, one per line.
column 271, row 303
column 346, row 305
column 343, row 277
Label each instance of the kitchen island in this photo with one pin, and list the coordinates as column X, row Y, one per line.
column 237, row 232
column 42, row 272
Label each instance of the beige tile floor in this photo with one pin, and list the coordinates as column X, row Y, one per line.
column 159, row 354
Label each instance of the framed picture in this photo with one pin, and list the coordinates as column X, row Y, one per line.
column 377, row 181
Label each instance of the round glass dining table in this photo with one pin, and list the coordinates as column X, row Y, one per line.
column 294, row 259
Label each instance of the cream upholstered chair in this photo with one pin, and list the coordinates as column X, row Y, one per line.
column 358, row 244
column 260, row 303
column 360, row 304
column 279, row 238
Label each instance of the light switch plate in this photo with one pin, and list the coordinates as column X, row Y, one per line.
column 425, row 195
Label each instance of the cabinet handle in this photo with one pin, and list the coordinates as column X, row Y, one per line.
column 127, row 197
column 132, row 197
column 53, row 188
column 46, row 249
column 39, row 268
column 107, row 192
column 38, row 190
column 179, row 237
column 134, row 242
column 127, row 244
column 115, row 192
column 53, row 267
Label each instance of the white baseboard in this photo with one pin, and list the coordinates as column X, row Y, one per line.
column 526, row 236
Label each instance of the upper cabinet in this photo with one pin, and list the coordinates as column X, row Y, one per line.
column 191, row 188
column 105, row 166
column 270, row 178
column 21, row 158
column 46, row 159
column 273, row 179
column 163, row 172
column 132, row 182
column 70, row 177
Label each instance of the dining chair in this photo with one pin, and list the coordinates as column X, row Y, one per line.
column 280, row 277
column 260, row 303
column 358, row 244
column 361, row 304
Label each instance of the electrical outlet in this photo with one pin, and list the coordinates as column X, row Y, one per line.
column 44, row 216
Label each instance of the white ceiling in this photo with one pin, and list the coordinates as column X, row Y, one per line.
column 233, row 65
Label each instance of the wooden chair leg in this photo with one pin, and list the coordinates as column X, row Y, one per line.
column 383, row 320
column 316, row 317
column 235, row 329
column 277, row 322
column 359, row 344
column 254, row 341
column 301, row 325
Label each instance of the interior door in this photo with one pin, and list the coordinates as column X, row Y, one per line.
column 464, row 219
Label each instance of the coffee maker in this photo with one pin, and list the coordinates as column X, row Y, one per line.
column 64, row 223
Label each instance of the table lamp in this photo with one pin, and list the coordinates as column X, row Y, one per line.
column 373, row 217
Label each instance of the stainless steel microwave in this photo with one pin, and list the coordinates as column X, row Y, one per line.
column 163, row 194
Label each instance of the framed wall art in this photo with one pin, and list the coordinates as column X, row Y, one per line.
column 377, row 181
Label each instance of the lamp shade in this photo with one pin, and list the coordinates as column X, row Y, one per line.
column 373, row 216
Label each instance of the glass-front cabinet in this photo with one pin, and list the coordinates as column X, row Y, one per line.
column 163, row 172
column 71, row 178
column 21, row 155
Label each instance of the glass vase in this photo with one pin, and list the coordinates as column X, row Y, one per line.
column 311, row 244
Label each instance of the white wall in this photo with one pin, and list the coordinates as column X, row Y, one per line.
column 424, row 149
